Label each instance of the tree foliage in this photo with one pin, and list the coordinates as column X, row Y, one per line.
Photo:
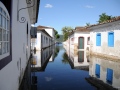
column 56, row 34
column 87, row 24
column 66, row 31
column 103, row 17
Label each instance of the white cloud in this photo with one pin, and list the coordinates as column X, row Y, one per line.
column 48, row 6
column 88, row 6
column 48, row 79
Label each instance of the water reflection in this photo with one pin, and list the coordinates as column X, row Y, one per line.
column 106, row 70
column 40, row 59
column 37, row 63
column 50, row 70
column 79, row 61
column 56, row 51
column 26, row 82
column 65, row 58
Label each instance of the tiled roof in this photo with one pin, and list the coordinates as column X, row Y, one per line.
column 44, row 27
column 43, row 30
column 82, row 29
column 108, row 21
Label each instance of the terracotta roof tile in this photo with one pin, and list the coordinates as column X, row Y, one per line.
column 82, row 29
column 108, row 21
column 43, row 27
column 43, row 30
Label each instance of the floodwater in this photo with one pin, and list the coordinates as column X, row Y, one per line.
column 56, row 68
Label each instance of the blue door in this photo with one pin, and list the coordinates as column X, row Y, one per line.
column 97, row 70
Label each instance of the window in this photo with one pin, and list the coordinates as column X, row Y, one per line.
column 109, row 76
column 97, row 70
column 88, row 41
column 4, row 32
column 111, row 39
column 98, row 39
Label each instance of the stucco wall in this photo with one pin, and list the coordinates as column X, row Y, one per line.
column 10, row 75
column 39, row 45
column 50, row 31
column 82, row 34
column 104, row 48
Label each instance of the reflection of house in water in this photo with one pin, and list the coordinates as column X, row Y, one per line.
column 105, row 70
column 40, row 59
column 52, row 48
column 79, row 61
column 39, row 63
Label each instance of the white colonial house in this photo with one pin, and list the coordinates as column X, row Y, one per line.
column 50, row 31
column 16, row 17
column 79, row 39
column 43, row 39
column 105, row 38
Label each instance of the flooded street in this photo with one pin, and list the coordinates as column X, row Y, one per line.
column 55, row 68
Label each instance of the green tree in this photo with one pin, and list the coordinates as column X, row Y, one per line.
column 103, row 17
column 56, row 34
column 66, row 31
column 87, row 24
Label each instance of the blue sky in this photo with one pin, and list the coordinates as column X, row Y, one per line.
column 60, row 13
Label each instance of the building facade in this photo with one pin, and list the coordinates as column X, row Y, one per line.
column 105, row 39
column 79, row 39
column 15, row 24
column 50, row 31
column 43, row 39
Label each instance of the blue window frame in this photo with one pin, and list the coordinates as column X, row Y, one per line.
column 98, row 39
column 111, row 39
column 97, row 70
column 109, row 76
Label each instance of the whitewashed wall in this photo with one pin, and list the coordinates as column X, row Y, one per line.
column 10, row 74
column 50, row 31
column 82, row 34
column 104, row 48
column 71, row 43
column 38, row 43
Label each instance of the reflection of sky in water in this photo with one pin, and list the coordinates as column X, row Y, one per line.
column 48, row 79
column 60, row 76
